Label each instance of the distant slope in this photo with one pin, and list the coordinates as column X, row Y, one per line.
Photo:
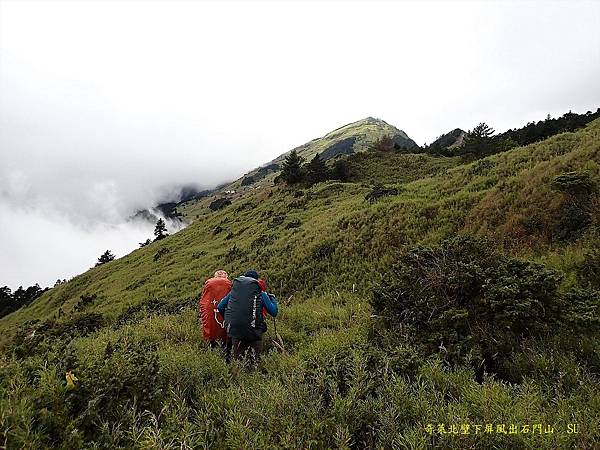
column 351, row 138
column 355, row 137
column 528, row 134
column 454, row 138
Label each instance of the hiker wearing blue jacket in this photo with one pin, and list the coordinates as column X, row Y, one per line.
column 244, row 309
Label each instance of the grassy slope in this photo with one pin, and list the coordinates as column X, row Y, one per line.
column 428, row 209
column 328, row 265
column 366, row 131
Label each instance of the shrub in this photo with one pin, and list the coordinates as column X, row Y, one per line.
column 466, row 302
column 162, row 252
column 575, row 184
column 151, row 307
column 294, row 223
column 219, row 203
column 580, row 310
column 297, row 204
column 276, row 221
column 247, row 181
column 30, row 337
column 245, row 206
column 379, row 191
column 481, row 166
column 84, row 301
column 200, row 254
column 126, row 374
column 323, row 250
column 234, row 253
column 588, row 271
column 572, row 221
column 262, row 241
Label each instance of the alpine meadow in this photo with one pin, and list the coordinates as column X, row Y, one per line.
column 441, row 296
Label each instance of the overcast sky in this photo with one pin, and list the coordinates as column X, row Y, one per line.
column 106, row 106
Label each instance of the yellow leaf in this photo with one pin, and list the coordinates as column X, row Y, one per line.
column 70, row 380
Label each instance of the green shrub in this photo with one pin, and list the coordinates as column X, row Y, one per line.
column 38, row 337
column 152, row 307
column 588, row 270
column 379, row 191
column 575, row 214
column 85, row 300
column 576, row 184
column 125, row 375
column 467, row 303
column 571, row 223
column 481, row 166
column 581, row 310
column 162, row 252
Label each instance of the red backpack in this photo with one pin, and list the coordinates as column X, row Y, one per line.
column 263, row 287
column 212, row 321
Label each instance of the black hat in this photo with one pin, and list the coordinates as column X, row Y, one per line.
column 252, row 274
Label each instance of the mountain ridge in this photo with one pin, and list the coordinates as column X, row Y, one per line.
column 351, row 138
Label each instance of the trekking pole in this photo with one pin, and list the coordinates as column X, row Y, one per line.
column 279, row 342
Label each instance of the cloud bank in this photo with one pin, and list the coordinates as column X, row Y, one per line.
column 109, row 107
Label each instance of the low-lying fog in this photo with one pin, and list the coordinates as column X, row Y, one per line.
column 108, row 107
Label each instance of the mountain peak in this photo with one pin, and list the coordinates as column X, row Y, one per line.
column 372, row 119
column 351, row 138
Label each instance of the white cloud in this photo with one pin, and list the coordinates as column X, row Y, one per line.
column 41, row 248
column 105, row 106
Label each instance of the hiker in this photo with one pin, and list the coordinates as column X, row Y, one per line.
column 213, row 330
column 244, row 316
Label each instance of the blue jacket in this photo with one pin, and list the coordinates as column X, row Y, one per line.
column 270, row 304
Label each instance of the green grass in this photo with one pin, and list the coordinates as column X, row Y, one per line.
column 366, row 132
column 334, row 388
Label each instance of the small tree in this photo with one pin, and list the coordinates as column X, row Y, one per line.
column 160, row 230
column 146, row 242
column 578, row 186
column 340, row 170
column 479, row 140
column 576, row 212
column 316, row 170
column 384, row 144
column 291, row 171
column 107, row 256
column 481, row 131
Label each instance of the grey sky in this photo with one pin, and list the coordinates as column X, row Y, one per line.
column 106, row 106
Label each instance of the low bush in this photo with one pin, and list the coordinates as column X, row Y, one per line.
column 379, row 191
column 38, row 337
column 575, row 184
column 153, row 306
column 588, row 270
column 481, row 166
column 84, row 301
column 571, row 223
column 162, row 252
column 219, row 203
column 467, row 303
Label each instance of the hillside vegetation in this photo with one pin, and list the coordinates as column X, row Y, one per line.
column 353, row 138
column 457, row 294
